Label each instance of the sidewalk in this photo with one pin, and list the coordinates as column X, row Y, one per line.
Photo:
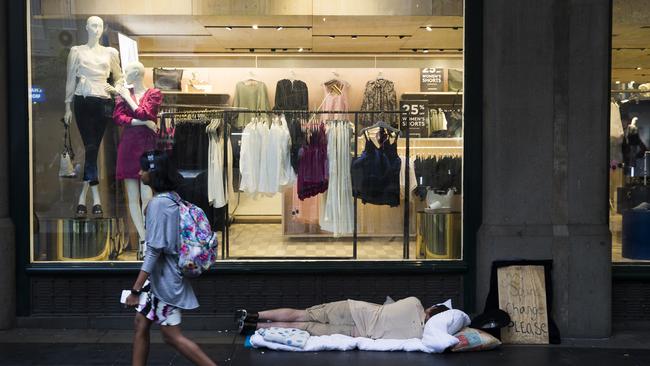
column 101, row 347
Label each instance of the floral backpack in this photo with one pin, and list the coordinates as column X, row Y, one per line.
column 197, row 249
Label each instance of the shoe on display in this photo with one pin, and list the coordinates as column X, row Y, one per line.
column 97, row 210
column 81, row 211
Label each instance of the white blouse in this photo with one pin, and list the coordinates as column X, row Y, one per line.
column 88, row 71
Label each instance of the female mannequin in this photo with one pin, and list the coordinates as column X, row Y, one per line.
column 136, row 110
column 89, row 67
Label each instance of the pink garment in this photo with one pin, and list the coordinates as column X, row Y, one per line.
column 335, row 102
column 135, row 140
column 305, row 211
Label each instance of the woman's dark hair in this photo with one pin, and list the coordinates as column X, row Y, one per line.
column 163, row 175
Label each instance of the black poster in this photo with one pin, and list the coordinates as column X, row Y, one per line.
column 432, row 79
column 415, row 116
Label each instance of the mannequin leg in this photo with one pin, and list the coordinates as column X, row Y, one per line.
column 97, row 200
column 133, row 195
column 145, row 196
column 84, row 192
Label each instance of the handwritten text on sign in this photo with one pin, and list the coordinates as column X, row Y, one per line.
column 522, row 294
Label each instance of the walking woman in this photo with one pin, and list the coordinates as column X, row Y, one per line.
column 167, row 290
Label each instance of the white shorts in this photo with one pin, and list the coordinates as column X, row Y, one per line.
column 159, row 312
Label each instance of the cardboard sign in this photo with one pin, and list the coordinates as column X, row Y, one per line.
column 522, row 294
column 432, row 79
column 415, row 116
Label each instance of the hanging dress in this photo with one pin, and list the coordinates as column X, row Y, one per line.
column 312, row 170
column 375, row 174
column 338, row 212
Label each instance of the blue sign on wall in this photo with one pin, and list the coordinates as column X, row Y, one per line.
column 38, row 95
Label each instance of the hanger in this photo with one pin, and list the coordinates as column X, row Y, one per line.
column 380, row 75
column 292, row 76
column 384, row 125
column 251, row 76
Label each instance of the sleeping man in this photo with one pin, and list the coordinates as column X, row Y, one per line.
column 403, row 319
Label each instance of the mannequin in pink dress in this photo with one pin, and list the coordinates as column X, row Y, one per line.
column 136, row 110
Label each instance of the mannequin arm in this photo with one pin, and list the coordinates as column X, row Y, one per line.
column 153, row 126
column 71, row 77
column 70, row 83
column 116, row 70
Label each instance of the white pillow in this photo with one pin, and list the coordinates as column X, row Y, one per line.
column 439, row 330
column 450, row 321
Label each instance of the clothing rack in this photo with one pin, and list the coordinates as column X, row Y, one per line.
column 199, row 111
column 173, row 105
column 234, row 111
column 356, row 114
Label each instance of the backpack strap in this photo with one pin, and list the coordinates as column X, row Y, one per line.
column 173, row 196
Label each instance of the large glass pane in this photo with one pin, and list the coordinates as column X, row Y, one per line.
column 273, row 120
column 629, row 136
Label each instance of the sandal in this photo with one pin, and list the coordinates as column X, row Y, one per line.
column 246, row 328
column 245, row 316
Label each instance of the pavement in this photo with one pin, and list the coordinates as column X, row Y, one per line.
column 113, row 347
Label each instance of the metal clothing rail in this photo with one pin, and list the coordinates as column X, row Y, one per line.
column 173, row 105
column 406, row 226
column 280, row 111
column 199, row 111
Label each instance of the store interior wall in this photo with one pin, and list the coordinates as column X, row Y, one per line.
column 223, row 80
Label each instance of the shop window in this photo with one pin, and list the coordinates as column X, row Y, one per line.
column 629, row 161
column 302, row 136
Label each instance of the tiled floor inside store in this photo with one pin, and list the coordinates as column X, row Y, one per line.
column 266, row 240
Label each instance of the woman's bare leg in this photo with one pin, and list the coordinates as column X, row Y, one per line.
column 284, row 315
column 141, row 340
column 173, row 336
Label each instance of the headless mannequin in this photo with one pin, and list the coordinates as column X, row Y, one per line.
column 138, row 194
column 95, row 29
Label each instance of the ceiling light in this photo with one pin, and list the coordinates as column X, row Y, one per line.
column 354, row 37
column 229, row 28
column 279, row 28
column 251, row 50
column 638, row 68
column 425, row 51
column 428, row 28
column 255, row 26
column 618, row 82
column 300, row 49
column 332, row 37
column 415, row 50
column 272, row 49
column 324, row 19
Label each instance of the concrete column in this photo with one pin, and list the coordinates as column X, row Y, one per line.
column 546, row 92
column 7, row 237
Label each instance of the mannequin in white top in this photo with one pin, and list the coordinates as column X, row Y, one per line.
column 89, row 67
